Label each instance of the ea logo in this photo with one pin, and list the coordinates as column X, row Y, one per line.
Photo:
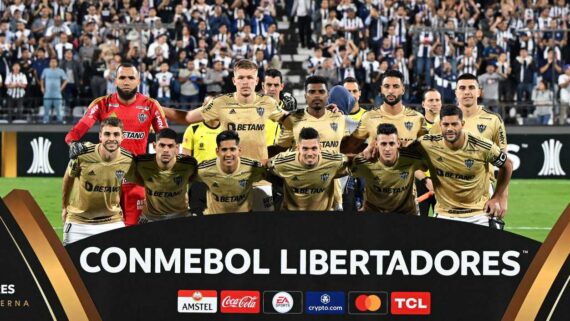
column 371, row 303
column 282, row 302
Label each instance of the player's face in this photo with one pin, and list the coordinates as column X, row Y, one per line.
column 353, row 89
column 392, row 90
column 309, row 151
column 166, row 149
column 388, row 148
column 228, row 152
column 316, row 96
column 245, row 81
column 467, row 92
column 451, row 127
column 127, row 82
column 432, row 102
column 272, row 86
column 111, row 138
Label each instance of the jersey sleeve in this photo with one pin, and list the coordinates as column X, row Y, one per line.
column 276, row 113
column 92, row 115
column 158, row 118
column 210, row 111
column 360, row 132
column 74, row 168
column 496, row 156
column 188, row 136
column 500, row 137
column 423, row 127
column 272, row 167
column 133, row 175
column 342, row 169
column 286, row 138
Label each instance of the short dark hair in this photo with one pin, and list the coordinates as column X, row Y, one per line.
column 127, row 65
column 167, row 133
column 111, row 121
column 386, row 129
column 468, row 76
column 349, row 79
column 274, row 73
column 394, row 74
column 427, row 91
column 308, row 133
column 451, row 110
column 227, row 135
column 315, row 80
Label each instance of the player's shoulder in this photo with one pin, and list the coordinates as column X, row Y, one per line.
column 186, row 160
column 126, row 154
column 88, row 151
column 250, row 162
column 431, row 138
column 360, row 160
column 332, row 156
column 143, row 158
column 284, row 157
column 211, row 163
column 479, row 141
column 100, row 100
column 410, row 112
column 487, row 112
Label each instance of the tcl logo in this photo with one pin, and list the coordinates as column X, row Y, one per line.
column 240, row 302
column 411, row 303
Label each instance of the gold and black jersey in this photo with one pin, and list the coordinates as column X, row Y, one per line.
column 247, row 119
column 460, row 177
column 331, row 128
column 410, row 124
column 273, row 129
column 201, row 140
column 165, row 190
column 95, row 198
column 230, row 193
column 389, row 189
column 308, row 188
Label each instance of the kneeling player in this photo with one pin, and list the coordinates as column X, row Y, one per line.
column 390, row 178
column 95, row 177
column 308, row 174
column 229, row 177
column 165, row 177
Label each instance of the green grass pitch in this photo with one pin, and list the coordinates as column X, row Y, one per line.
column 534, row 205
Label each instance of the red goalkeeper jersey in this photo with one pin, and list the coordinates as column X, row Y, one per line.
column 137, row 119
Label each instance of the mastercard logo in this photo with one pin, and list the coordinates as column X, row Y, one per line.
column 368, row 303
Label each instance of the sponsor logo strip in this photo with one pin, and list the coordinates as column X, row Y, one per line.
column 240, row 302
column 411, row 303
column 197, row 301
column 325, row 303
column 360, row 302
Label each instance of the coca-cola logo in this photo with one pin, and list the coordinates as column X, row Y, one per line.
column 240, row 302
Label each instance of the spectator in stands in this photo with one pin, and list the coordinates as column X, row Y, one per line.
column 524, row 70
column 214, row 79
column 550, row 70
column 73, row 69
column 504, row 69
column 542, row 99
column 445, row 81
column 16, row 83
column 489, row 83
column 302, row 11
column 329, row 71
column 164, row 81
column 190, row 79
column 110, row 74
column 97, row 82
column 53, row 82
column 564, row 83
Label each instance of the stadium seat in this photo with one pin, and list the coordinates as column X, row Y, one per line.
column 78, row 112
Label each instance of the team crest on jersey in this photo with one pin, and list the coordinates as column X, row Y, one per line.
column 481, row 128
column 215, row 184
column 177, row 180
column 469, row 163
column 120, row 174
column 334, row 126
column 325, row 177
column 201, row 146
column 404, row 175
column 142, row 117
column 260, row 111
column 408, row 125
column 243, row 183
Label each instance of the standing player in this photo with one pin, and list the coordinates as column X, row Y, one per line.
column 479, row 121
column 459, row 163
column 390, row 178
column 138, row 113
column 308, row 173
column 165, row 177
column 351, row 84
column 95, row 176
column 229, row 177
column 200, row 142
column 272, row 86
column 410, row 123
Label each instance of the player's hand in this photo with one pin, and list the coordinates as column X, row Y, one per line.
column 493, row 207
column 76, row 149
column 429, row 184
column 334, row 108
column 289, row 102
column 503, row 202
column 370, row 152
column 63, row 214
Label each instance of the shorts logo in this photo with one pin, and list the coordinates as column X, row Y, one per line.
column 368, row 303
column 481, row 128
column 177, row 180
column 325, row 303
column 325, row 177
column 142, row 117
column 243, row 183
column 469, row 163
column 120, row 174
column 197, row 301
column 410, row 303
column 334, row 126
column 260, row 111
column 240, row 302
column 409, row 125
column 404, row 175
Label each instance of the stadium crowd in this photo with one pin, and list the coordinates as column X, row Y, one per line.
column 52, row 52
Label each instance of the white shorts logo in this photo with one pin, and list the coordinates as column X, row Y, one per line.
column 551, row 166
column 282, row 302
column 40, row 165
